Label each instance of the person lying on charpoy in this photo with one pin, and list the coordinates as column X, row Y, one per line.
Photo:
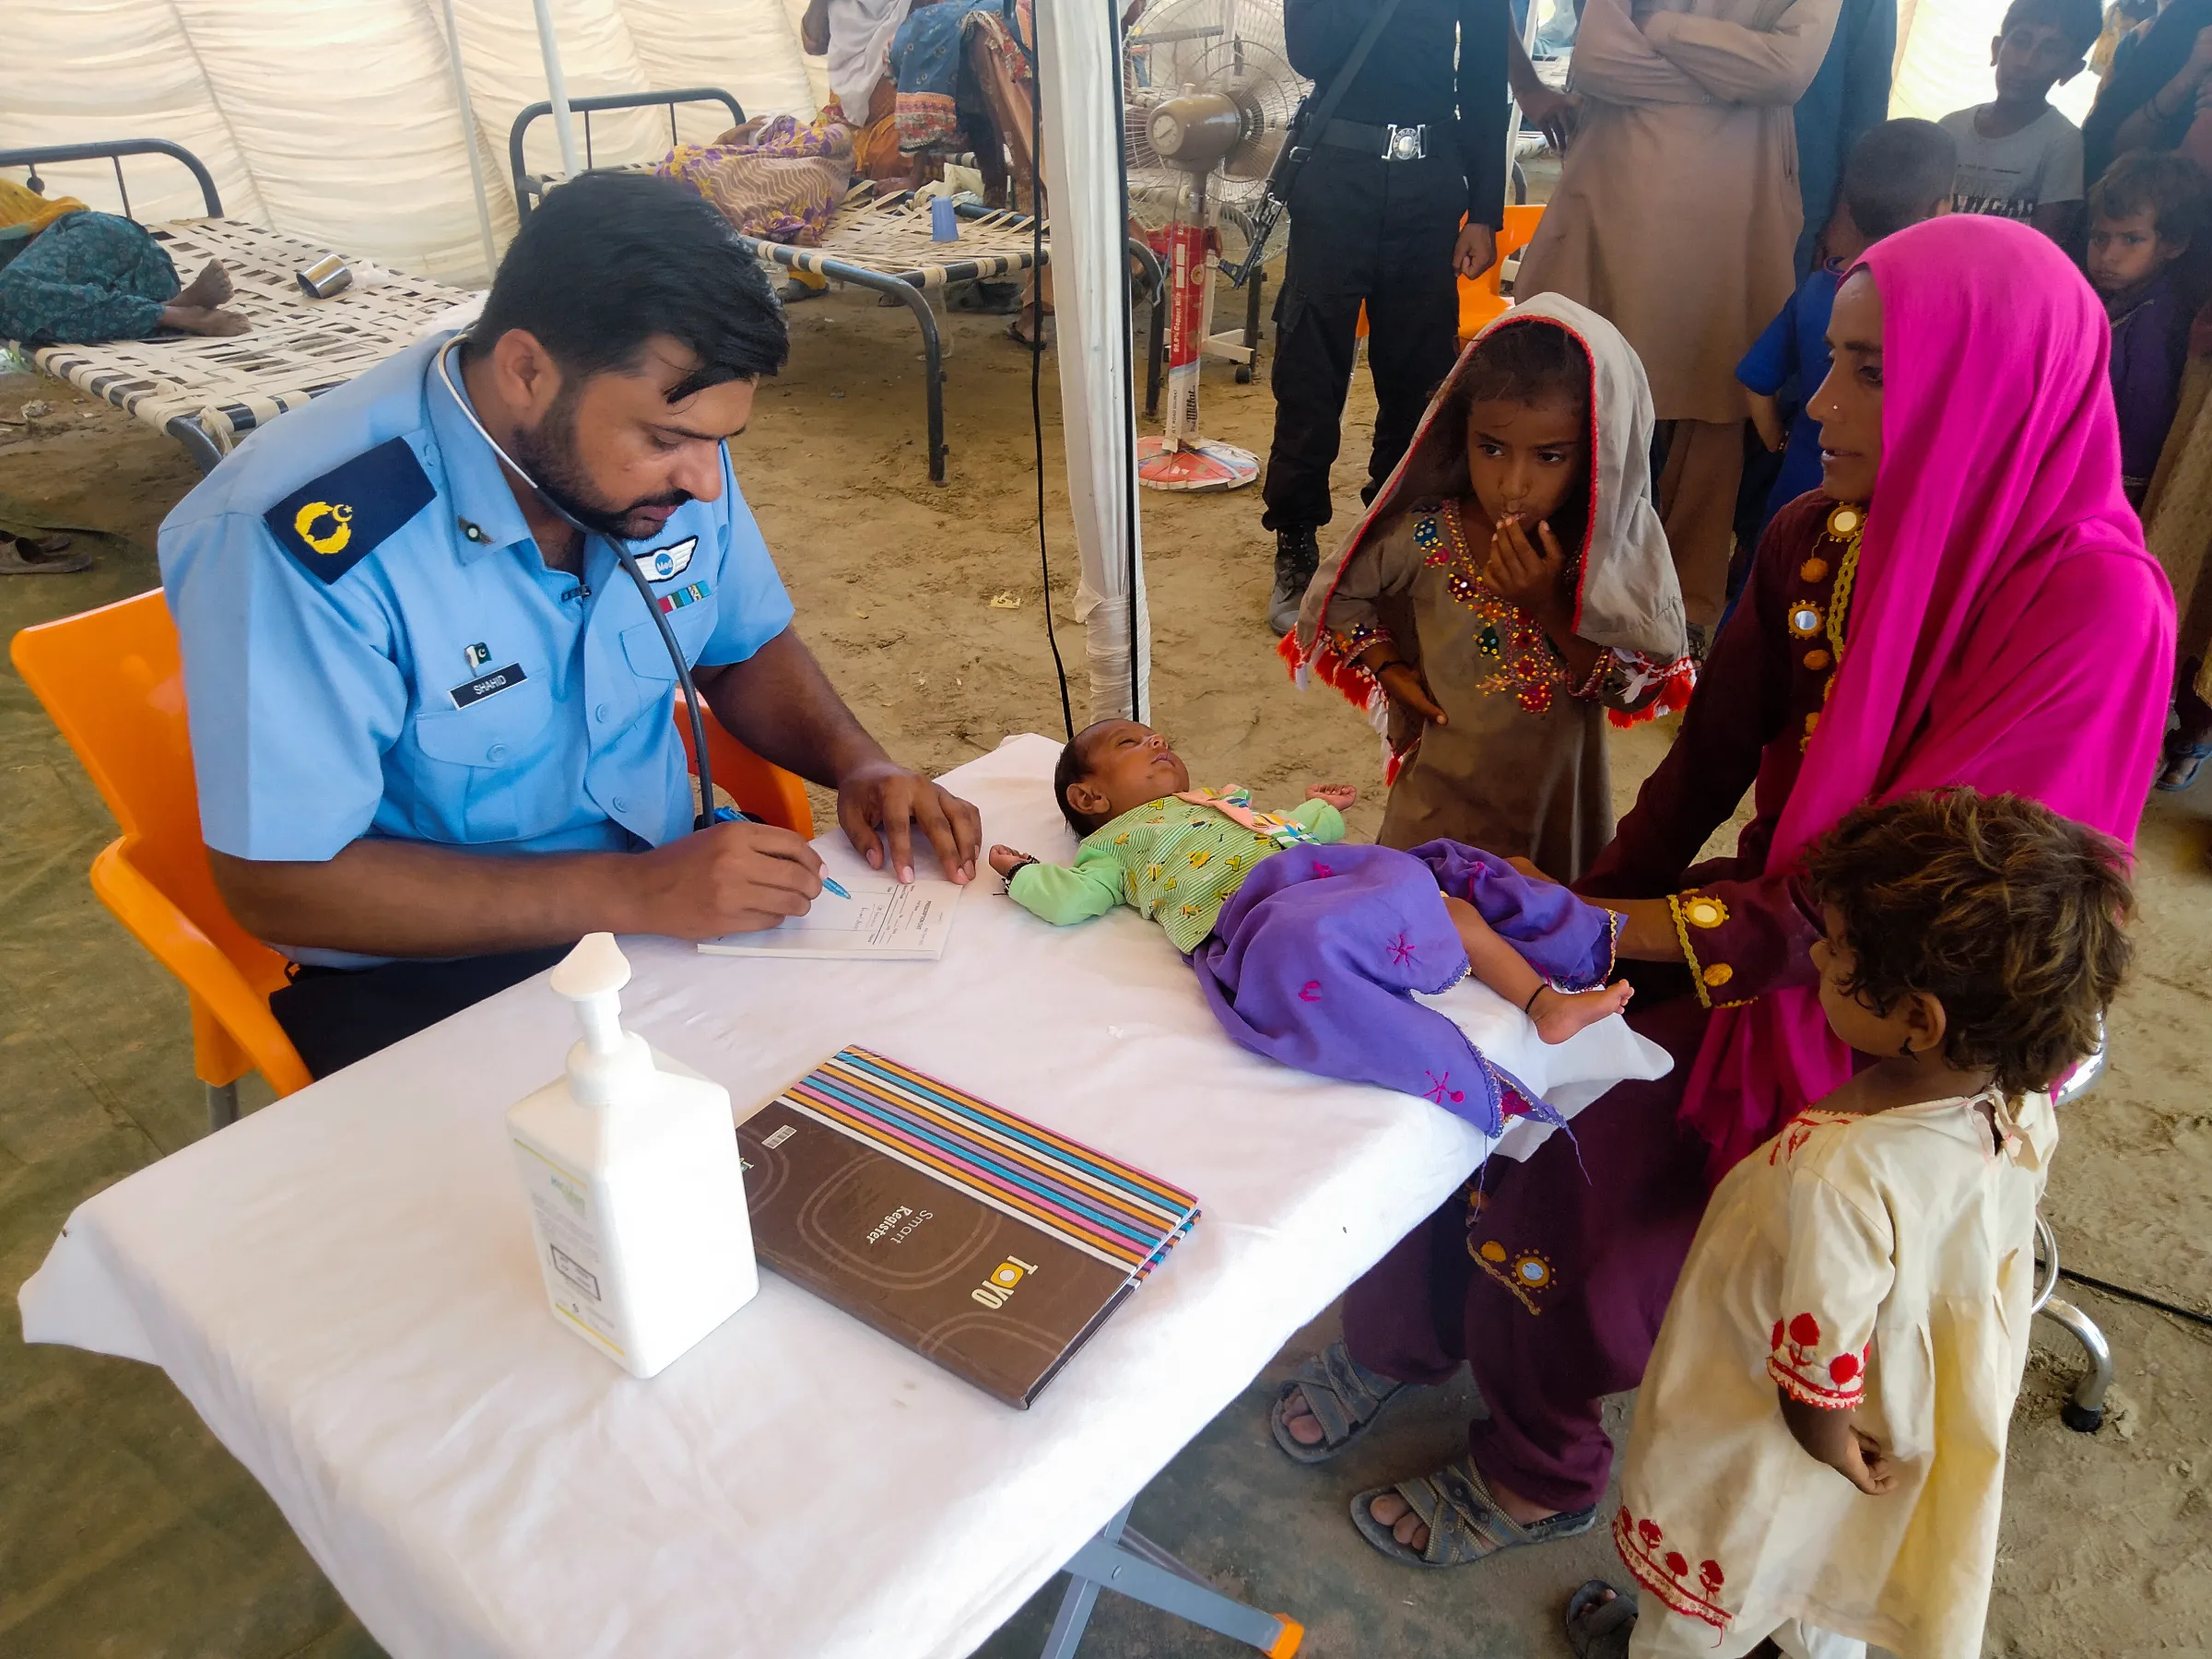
column 1308, row 950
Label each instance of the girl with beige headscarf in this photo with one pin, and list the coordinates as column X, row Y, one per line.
column 1509, row 582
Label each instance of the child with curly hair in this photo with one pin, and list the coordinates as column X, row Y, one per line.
column 1818, row 1453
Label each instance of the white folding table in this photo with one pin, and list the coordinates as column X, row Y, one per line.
column 343, row 1286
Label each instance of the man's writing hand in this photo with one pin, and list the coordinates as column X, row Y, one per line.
column 725, row 878
column 880, row 806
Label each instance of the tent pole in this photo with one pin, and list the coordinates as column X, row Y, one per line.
column 468, row 137
column 557, row 90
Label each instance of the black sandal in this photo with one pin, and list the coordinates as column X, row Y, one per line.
column 1341, row 1394
column 1599, row 1621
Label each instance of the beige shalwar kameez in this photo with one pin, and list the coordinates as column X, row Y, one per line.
column 1676, row 218
column 1877, row 1264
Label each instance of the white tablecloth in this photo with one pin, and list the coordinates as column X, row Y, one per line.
column 343, row 1286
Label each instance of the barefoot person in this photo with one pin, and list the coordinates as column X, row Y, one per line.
column 1983, row 580
column 1308, row 951
column 70, row 275
column 432, row 710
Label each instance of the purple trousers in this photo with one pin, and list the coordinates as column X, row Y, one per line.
column 1313, row 961
column 1549, row 1282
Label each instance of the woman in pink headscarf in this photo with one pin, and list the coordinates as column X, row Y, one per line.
column 1966, row 600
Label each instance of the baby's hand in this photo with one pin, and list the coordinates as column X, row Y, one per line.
column 1005, row 860
column 1339, row 795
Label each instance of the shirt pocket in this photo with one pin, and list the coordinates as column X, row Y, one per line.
column 648, row 655
column 481, row 758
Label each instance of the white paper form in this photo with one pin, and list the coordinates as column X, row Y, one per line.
column 883, row 920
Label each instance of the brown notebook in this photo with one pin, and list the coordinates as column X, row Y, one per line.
column 975, row 1238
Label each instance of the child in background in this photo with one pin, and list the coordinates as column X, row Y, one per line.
column 1898, row 173
column 2146, row 212
column 1510, row 583
column 1308, row 951
column 2018, row 158
column 1855, row 1301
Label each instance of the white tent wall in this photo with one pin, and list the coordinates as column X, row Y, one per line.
column 1080, row 87
column 1942, row 60
column 339, row 121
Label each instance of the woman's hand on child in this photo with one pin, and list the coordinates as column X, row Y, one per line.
column 1525, row 571
column 1006, row 860
column 1339, row 795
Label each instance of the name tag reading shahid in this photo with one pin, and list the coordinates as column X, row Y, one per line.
column 491, row 685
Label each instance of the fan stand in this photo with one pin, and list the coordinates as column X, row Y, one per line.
column 1182, row 459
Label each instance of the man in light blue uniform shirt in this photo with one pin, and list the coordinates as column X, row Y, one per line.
column 431, row 716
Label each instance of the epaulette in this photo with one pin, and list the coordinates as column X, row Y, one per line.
column 333, row 523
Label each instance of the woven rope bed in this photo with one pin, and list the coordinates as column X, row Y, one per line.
column 206, row 393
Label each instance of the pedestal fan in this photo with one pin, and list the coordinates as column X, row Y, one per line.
column 1209, row 99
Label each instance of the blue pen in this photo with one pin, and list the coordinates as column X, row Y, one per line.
column 834, row 888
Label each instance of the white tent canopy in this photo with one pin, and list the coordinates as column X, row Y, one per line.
column 339, row 120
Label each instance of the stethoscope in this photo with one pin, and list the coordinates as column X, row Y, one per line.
column 630, row 563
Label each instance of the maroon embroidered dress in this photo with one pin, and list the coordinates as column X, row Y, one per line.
column 1562, row 1270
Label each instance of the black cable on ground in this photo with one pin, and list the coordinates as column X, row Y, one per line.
column 1009, row 9
column 2138, row 1297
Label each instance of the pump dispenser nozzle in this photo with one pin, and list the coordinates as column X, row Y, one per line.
column 592, row 976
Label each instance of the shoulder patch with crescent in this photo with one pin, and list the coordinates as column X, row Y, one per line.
column 333, row 523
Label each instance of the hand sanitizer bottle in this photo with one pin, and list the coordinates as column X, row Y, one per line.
column 636, row 1194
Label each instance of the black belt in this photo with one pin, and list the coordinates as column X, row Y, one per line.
column 1385, row 143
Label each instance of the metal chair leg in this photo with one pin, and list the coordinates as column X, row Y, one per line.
column 222, row 1105
column 2085, row 1412
column 1127, row 1562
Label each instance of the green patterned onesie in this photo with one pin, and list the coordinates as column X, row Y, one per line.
column 1175, row 860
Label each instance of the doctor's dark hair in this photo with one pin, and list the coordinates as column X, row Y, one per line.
column 1896, row 173
column 612, row 260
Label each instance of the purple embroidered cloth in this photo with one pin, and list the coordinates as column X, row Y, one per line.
column 1315, row 959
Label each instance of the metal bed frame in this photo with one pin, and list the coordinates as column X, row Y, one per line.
column 299, row 348
column 908, row 280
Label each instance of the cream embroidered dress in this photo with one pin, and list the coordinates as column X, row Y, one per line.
column 1877, row 1262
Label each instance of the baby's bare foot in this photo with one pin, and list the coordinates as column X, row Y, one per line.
column 209, row 290
column 1560, row 1013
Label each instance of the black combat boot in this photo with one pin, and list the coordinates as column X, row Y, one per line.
column 1297, row 556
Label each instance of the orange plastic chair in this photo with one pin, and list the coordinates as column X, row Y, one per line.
column 1480, row 300
column 112, row 681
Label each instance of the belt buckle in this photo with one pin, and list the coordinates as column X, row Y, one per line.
column 1406, row 143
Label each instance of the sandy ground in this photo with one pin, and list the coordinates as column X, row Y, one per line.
column 2108, row 1541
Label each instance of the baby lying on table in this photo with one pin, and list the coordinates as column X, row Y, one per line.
column 1309, row 950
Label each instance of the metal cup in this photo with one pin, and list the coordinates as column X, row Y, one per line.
column 328, row 276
